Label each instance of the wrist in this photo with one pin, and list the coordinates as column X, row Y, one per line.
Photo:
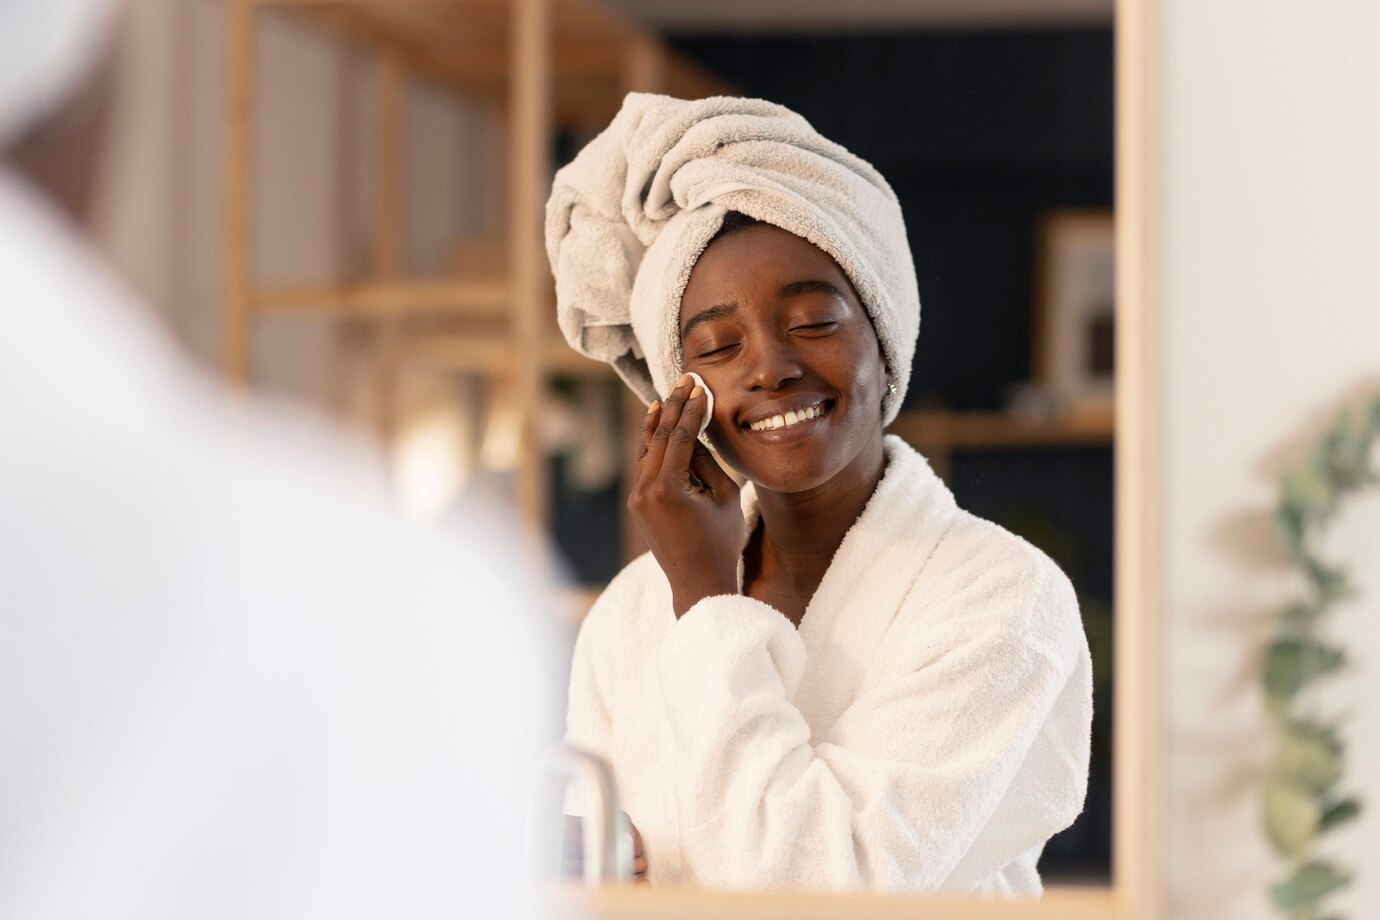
column 685, row 597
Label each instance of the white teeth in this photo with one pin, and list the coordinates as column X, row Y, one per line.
column 788, row 419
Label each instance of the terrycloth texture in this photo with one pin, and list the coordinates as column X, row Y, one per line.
column 629, row 217
column 926, row 729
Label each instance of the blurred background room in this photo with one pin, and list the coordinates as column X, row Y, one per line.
column 339, row 204
column 334, row 202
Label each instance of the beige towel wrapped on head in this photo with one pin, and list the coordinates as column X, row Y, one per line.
column 629, row 217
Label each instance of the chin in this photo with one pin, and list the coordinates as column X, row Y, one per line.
column 784, row 470
column 787, row 478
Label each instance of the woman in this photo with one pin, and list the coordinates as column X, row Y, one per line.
column 833, row 677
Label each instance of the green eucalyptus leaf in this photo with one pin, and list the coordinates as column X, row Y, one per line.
column 1299, row 804
column 1291, row 816
column 1310, row 884
column 1329, row 456
column 1349, row 459
column 1289, row 523
column 1325, row 732
column 1340, row 813
column 1291, row 664
column 1278, row 708
column 1331, row 584
column 1310, row 760
column 1371, row 414
column 1308, row 490
column 1299, row 618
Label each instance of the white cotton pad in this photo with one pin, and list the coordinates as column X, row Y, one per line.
column 709, row 395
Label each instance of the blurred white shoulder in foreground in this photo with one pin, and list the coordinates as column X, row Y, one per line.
column 232, row 683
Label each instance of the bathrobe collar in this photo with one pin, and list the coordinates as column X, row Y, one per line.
column 911, row 505
column 884, row 552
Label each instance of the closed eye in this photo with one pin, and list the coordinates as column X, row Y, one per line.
column 715, row 351
column 819, row 327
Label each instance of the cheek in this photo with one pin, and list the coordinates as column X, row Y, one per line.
column 866, row 375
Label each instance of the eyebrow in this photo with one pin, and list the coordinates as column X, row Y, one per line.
column 718, row 311
column 810, row 286
column 791, row 289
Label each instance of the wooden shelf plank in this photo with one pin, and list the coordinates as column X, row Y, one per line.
column 489, row 355
column 487, row 298
column 946, row 430
column 495, row 354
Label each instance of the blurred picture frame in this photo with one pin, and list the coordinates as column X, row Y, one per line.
column 1075, row 310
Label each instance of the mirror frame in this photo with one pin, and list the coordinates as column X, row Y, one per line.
column 1139, row 753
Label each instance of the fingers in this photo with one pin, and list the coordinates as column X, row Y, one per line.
column 572, row 850
column 667, row 418
column 649, row 423
column 682, row 435
column 639, row 855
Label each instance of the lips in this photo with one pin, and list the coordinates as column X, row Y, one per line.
column 788, row 418
column 785, row 420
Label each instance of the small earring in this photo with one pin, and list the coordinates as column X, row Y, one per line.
column 891, row 388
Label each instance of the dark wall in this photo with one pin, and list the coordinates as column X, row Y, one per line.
column 979, row 133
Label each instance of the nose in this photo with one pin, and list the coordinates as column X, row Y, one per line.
column 772, row 363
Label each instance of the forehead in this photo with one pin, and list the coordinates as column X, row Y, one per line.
column 756, row 259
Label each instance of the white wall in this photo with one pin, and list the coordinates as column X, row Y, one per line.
column 1272, row 125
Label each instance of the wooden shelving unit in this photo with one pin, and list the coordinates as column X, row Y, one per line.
column 536, row 67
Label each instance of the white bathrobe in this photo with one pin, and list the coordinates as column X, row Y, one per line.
column 926, row 728
column 232, row 683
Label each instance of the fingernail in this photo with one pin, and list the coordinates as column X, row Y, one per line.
column 684, row 379
column 696, row 391
column 656, row 404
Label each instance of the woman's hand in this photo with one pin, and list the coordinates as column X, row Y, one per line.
column 685, row 505
column 573, row 850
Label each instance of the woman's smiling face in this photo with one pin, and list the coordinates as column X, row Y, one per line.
column 776, row 330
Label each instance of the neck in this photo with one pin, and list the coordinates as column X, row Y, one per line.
column 801, row 531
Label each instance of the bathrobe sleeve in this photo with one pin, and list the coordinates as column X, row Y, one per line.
column 587, row 715
column 981, row 711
